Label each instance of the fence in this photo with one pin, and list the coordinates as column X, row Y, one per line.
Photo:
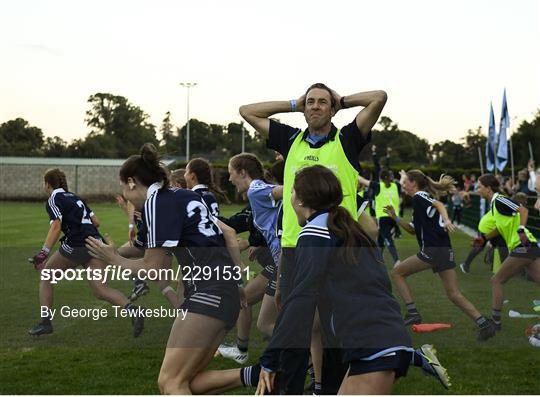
column 21, row 178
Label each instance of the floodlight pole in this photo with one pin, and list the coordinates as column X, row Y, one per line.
column 188, row 86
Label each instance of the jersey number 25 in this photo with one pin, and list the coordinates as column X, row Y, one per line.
column 206, row 225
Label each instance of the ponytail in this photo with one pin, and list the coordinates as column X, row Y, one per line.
column 145, row 167
column 342, row 224
column 446, row 183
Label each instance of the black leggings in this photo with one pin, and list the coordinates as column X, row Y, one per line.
column 386, row 224
column 497, row 242
column 456, row 214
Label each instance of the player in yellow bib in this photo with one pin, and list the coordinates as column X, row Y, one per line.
column 523, row 246
column 320, row 143
column 386, row 193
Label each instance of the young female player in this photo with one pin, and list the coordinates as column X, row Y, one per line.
column 246, row 173
column 174, row 219
column 431, row 225
column 510, row 220
column 485, row 227
column 199, row 178
column 134, row 248
column 178, row 178
column 337, row 270
column 70, row 215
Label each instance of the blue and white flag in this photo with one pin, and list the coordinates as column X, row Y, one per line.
column 502, row 144
column 491, row 141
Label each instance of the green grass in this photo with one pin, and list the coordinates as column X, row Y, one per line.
column 100, row 357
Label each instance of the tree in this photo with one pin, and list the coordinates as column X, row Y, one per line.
column 169, row 139
column 94, row 146
column 406, row 146
column 233, row 138
column 203, row 139
column 474, row 140
column 18, row 138
column 387, row 124
column 113, row 116
column 55, row 147
column 449, row 154
column 525, row 133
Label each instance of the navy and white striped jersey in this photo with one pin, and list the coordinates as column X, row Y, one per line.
column 74, row 214
column 505, row 205
column 208, row 198
column 265, row 214
column 175, row 218
column 428, row 223
column 357, row 309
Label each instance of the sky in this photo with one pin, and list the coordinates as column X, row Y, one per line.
column 441, row 62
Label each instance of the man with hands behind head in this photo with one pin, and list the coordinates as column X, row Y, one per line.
column 320, row 143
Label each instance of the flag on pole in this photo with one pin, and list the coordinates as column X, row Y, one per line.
column 490, row 143
column 502, row 144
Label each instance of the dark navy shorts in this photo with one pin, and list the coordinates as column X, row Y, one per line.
column 398, row 361
column 269, row 271
column 521, row 252
column 440, row 258
column 78, row 255
column 220, row 301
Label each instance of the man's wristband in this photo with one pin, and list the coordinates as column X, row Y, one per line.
column 521, row 229
column 46, row 249
column 294, row 108
column 131, row 226
column 342, row 102
column 396, row 219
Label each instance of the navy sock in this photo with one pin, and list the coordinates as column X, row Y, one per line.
column 46, row 319
column 318, row 388
column 496, row 315
column 139, row 282
column 481, row 321
column 130, row 307
column 242, row 344
column 411, row 308
column 250, row 375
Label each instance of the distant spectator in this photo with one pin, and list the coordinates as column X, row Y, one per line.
column 523, row 183
column 474, row 183
column 457, row 205
column 507, row 185
column 466, row 182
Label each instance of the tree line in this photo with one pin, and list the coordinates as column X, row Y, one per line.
column 118, row 128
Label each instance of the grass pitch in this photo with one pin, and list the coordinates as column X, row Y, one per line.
column 101, row 357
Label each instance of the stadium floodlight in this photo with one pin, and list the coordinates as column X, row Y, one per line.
column 188, row 86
